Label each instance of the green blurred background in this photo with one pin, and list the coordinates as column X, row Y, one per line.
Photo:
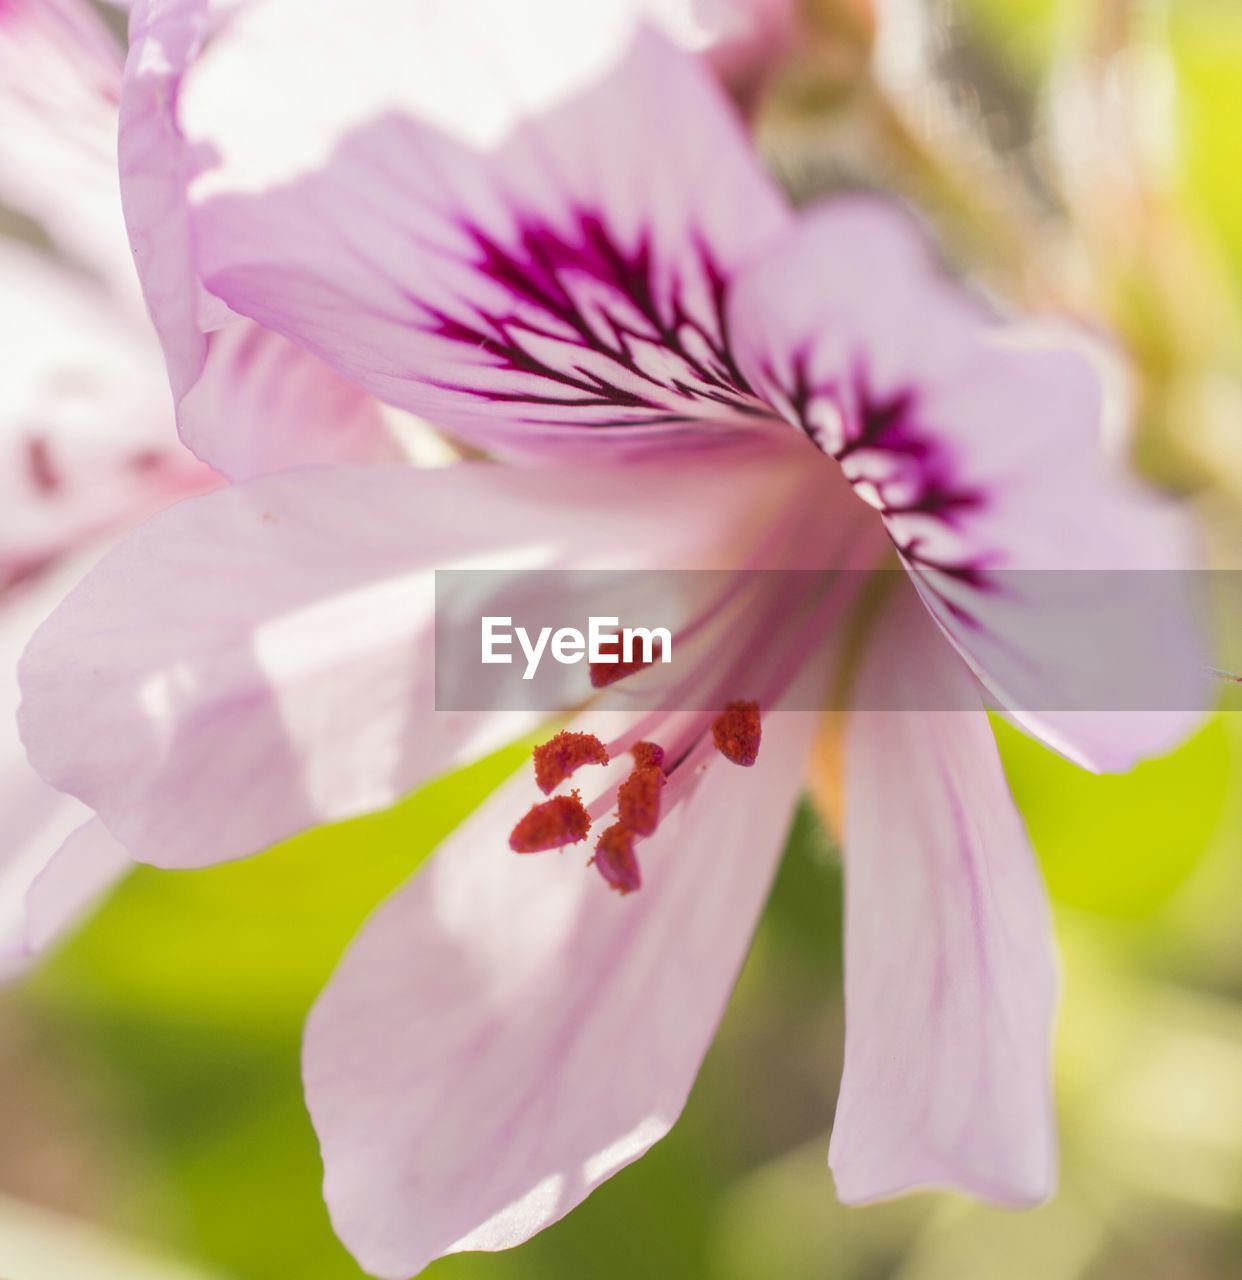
column 1082, row 156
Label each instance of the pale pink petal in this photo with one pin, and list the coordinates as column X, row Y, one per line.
column 247, row 401
column 260, row 660
column 980, row 445
column 86, row 439
column 461, row 207
column 79, row 874
column 60, row 80
column 155, row 169
column 39, row 823
column 950, row 977
column 262, row 404
column 506, row 1033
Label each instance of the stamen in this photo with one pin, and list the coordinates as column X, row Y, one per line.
column 605, row 673
column 41, row 466
column 638, row 801
column 736, row 731
column 556, row 822
column 557, row 758
column 615, row 860
column 648, row 755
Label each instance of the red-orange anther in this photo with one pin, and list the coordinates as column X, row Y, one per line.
column 605, row 673
column 638, row 801
column 736, row 732
column 557, row 758
column 615, row 861
column 556, row 822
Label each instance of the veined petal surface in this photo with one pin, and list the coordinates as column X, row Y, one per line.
column 467, row 215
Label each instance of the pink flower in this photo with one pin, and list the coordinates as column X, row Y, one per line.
column 541, row 227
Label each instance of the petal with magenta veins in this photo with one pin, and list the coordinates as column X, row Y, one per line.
column 478, row 229
column 981, row 446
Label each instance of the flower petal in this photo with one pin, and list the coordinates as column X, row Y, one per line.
column 60, row 78
column 981, row 447
column 81, row 871
column 261, row 404
column 506, row 1033
column 48, row 872
column 85, row 437
column 260, row 660
column 474, row 223
column 247, row 401
column 950, row 977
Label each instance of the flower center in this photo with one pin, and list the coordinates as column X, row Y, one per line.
column 758, row 631
column 894, row 463
column 639, row 801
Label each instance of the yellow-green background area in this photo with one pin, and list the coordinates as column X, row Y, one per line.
column 149, row 1072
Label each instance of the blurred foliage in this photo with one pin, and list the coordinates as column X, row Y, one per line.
column 149, row 1074
column 1119, row 844
column 1205, row 40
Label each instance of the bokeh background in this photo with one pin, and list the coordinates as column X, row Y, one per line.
column 1078, row 155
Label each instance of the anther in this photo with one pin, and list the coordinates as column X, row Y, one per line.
column 615, row 860
column 605, row 673
column 648, row 755
column 556, row 822
column 638, row 801
column 557, row 758
column 736, row 732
